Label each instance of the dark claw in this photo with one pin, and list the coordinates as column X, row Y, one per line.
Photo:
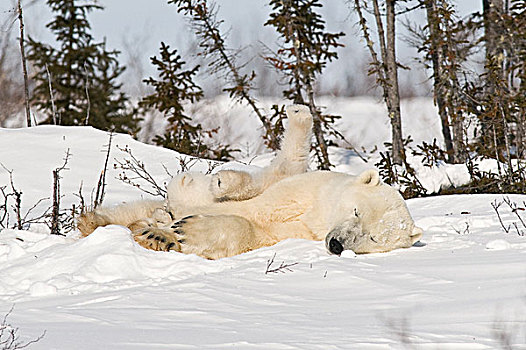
column 182, row 241
column 179, row 232
column 170, row 246
column 187, row 217
column 179, row 224
column 163, row 240
column 157, row 238
column 145, row 232
column 150, row 236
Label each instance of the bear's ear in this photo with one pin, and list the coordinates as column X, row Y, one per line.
column 369, row 177
column 416, row 234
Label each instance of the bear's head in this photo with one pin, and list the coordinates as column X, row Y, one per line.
column 188, row 189
column 371, row 217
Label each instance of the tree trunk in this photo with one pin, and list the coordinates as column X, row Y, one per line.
column 323, row 157
column 459, row 147
column 492, row 12
column 392, row 86
column 24, row 65
column 438, row 84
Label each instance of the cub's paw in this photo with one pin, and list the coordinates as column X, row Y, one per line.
column 154, row 238
column 226, row 184
column 162, row 217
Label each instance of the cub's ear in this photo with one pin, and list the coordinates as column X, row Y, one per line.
column 369, row 178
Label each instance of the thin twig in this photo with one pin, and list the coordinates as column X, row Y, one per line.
column 138, row 168
column 496, row 206
column 9, row 338
column 281, row 268
column 53, row 108
column 101, row 184
column 514, row 209
column 86, row 86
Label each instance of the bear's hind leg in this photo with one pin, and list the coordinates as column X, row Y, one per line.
column 209, row 236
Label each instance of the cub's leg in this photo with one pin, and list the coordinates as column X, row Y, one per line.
column 291, row 159
column 209, row 236
column 132, row 215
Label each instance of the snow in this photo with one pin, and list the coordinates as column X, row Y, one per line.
column 462, row 287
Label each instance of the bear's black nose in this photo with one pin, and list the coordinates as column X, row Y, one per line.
column 335, row 247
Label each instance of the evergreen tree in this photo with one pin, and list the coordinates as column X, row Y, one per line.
column 175, row 87
column 224, row 61
column 75, row 83
column 305, row 51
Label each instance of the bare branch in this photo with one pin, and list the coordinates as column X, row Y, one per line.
column 56, row 221
column 101, row 185
column 53, row 108
column 9, row 338
column 139, row 172
column 281, row 268
column 496, row 206
column 18, row 199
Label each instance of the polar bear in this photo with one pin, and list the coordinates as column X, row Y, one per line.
column 234, row 212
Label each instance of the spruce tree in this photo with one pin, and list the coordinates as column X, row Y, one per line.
column 305, row 50
column 76, row 80
column 174, row 88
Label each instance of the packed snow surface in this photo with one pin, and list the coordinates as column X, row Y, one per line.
column 462, row 287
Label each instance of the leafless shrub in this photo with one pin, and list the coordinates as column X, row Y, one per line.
column 57, row 218
column 520, row 226
column 10, row 338
column 134, row 171
column 17, row 195
column 464, row 231
column 11, row 200
column 187, row 162
column 281, row 268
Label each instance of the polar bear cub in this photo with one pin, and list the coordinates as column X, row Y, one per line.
column 196, row 189
column 192, row 189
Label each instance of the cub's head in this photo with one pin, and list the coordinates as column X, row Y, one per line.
column 189, row 189
column 371, row 217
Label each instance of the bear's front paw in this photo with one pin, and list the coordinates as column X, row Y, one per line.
column 213, row 236
column 189, row 231
column 154, row 238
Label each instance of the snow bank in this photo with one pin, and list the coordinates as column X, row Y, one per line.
column 462, row 286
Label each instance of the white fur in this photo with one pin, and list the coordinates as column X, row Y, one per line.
column 242, row 212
